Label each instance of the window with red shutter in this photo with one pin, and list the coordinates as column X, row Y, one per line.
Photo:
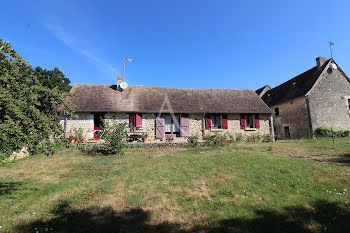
column 138, row 120
column 257, row 122
column 242, row 121
column 224, row 122
column 207, row 122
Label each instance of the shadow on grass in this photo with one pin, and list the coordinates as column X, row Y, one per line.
column 9, row 187
column 322, row 216
column 341, row 159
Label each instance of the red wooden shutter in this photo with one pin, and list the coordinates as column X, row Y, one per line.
column 257, row 122
column 138, row 120
column 131, row 121
column 242, row 121
column 224, row 122
column 207, row 122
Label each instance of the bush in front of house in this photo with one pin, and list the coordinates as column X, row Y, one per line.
column 253, row 138
column 324, row 131
column 115, row 139
column 193, row 141
column 267, row 138
column 216, row 140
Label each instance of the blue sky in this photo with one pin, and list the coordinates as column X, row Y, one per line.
column 198, row 44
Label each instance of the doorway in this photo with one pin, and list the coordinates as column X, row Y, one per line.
column 287, row 132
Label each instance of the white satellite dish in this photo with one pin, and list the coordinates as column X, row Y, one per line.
column 123, row 85
column 334, row 66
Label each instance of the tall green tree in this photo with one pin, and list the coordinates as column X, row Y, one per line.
column 28, row 108
column 52, row 78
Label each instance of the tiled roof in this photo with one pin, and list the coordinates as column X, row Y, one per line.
column 293, row 88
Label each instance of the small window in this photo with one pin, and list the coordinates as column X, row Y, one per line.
column 216, row 121
column 349, row 103
column 249, row 121
column 277, row 111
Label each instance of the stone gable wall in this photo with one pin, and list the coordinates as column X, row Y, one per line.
column 328, row 101
column 293, row 114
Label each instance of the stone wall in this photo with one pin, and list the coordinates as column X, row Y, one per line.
column 234, row 126
column 148, row 122
column 85, row 121
column 328, row 101
column 196, row 124
column 292, row 114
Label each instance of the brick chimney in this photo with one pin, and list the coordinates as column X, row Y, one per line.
column 320, row 61
column 119, row 80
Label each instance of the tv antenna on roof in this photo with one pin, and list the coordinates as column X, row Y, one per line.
column 330, row 47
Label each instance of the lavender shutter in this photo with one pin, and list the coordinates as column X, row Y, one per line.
column 185, row 126
column 160, row 127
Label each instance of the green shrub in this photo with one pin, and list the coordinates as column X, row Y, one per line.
column 324, row 131
column 115, row 139
column 239, row 137
column 192, row 141
column 267, row 138
column 216, row 140
column 253, row 138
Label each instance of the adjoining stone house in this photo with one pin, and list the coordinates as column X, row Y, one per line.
column 198, row 111
column 317, row 97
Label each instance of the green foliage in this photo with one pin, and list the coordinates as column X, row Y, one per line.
column 216, row 140
column 115, row 139
column 267, row 138
column 253, row 138
column 324, row 131
column 78, row 135
column 52, row 79
column 193, row 141
column 28, row 110
column 239, row 137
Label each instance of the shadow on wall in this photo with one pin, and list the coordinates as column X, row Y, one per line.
column 322, row 216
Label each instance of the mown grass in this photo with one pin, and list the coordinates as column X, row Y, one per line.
column 287, row 186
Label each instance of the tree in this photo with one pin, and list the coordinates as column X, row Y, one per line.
column 28, row 108
column 52, row 78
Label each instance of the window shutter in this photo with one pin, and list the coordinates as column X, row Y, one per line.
column 224, row 122
column 131, row 121
column 138, row 120
column 185, row 125
column 160, row 127
column 242, row 121
column 207, row 122
column 257, row 122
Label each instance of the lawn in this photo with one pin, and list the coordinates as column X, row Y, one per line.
column 286, row 186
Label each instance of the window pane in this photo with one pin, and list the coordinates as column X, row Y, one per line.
column 176, row 126
column 249, row 121
column 167, row 124
column 218, row 122
column 212, row 121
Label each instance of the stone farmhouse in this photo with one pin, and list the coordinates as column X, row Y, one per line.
column 317, row 97
column 166, row 112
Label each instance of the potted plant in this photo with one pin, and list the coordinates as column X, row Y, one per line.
column 144, row 138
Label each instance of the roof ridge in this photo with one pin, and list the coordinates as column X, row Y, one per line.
column 300, row 75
